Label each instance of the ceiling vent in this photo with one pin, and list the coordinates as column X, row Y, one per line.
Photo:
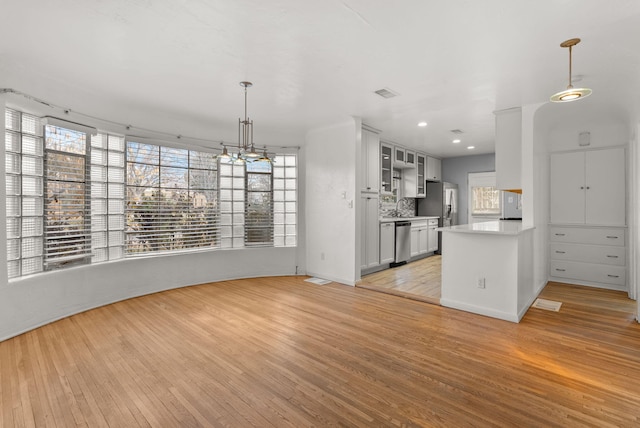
column 456, row 131
column 386, row 93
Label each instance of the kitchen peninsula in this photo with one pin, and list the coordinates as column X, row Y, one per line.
column 486, row 269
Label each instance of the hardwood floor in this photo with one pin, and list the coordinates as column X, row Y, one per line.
column 419, row 280
column 283, row 352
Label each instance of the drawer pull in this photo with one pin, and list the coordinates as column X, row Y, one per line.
column 612, row 257
column 560, row 252
column 559, row 234
column 561, row 270
column 612, row 237
column 613, row 276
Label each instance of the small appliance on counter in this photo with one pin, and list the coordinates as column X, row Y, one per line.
column 441, row 201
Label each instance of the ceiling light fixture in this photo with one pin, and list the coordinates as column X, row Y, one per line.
column 456, row 141
column 571, row 93
column 471, row 147
column 246, row 148
column 422, row 124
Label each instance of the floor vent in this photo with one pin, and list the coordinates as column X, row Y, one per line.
column 547, row 305
column 318, row 281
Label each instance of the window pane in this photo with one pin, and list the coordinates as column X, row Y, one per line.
column 65, row 140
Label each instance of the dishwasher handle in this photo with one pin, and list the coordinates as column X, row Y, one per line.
column 403, row 223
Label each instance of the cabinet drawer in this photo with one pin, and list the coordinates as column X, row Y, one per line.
column 588, row 235
column 588, row 272
column 602, row 254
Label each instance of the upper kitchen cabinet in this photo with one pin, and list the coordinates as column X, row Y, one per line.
column 399, row 157
column 370, row 169
column 588, row 187
column 386, row 169
column 410, row 161
column 434, row 169
column 421, row 165
column 509, row 149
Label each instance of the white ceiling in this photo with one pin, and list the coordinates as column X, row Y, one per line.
column 174, row 66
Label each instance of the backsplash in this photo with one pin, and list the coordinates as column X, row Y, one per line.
column 387, row 207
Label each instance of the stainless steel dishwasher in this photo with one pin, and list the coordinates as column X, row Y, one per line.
column 403, row 241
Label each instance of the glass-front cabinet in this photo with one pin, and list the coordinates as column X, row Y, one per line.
column 386, row 165
column 420, row 175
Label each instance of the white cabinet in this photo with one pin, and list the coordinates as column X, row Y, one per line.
column 419, row 237
column 387, row 242
column 370, row 165
column 421, row 164
column 593, row 256
column 588, row 187
column 432, row 235
column 509, row 149
column 434, row 169
column 386, row 169
column 409, row 185
column 369, row 232
column 410, row 159
column 399, row 157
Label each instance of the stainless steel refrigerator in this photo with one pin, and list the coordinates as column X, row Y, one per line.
column 441, row 201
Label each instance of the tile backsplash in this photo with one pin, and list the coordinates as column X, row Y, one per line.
column 406, row 208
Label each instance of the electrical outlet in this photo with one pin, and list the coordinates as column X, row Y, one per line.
column 481, row 283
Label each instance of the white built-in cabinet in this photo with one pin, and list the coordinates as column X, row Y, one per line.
column 369, row 231
column 370, row 167
column 369, row 197
column 588, row 187
column 587, row 241
column 387, row 242
column 434, row 169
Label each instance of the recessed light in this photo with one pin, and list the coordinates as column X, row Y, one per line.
column 471, row 147
column 422, row 124
column 456, row 141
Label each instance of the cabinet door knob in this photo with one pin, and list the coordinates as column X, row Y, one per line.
column 560, row 270
column 612, row 257
column 613, row 276
column 588, row 187
column 612, row 237
column 560, row 252
column 581, row 187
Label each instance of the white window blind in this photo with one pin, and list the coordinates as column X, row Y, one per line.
column 171, row 199
column 232, row 203
column 258, row 230
column 67, row 225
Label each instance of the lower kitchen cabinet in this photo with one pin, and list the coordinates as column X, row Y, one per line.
column 369, row 232
column 419, row 238
column 387, row 242
column 432, row 235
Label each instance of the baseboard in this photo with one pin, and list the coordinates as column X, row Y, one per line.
column 479, row 310
column 589, row 284
column 343, row 281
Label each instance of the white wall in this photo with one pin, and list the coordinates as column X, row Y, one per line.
column 331, row 227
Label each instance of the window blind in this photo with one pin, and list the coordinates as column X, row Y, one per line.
column 171, row 199
column 67, row 224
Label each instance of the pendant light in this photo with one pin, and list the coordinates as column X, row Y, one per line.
column 571, row 93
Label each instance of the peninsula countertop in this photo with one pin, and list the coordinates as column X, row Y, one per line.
column 497, row 227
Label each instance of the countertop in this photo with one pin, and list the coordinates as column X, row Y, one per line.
column 394, row 219
column 497, row 227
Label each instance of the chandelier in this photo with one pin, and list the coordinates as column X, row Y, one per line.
column 246, row 150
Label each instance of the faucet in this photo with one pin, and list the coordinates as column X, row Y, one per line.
column 397, row 211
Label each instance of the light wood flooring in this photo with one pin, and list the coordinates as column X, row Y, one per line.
column 419, row 280
column 281, row 352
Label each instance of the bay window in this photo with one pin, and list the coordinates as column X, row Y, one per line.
column 77, row 196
